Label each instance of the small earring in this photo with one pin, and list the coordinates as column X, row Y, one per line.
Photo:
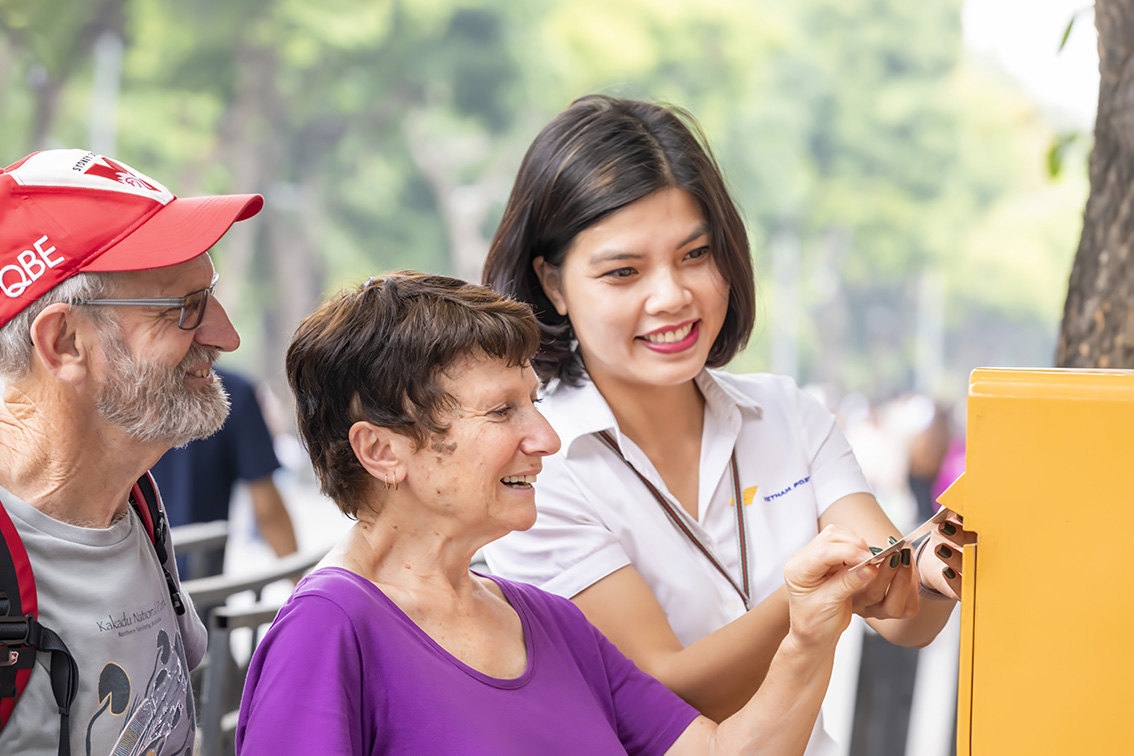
column 386, row 481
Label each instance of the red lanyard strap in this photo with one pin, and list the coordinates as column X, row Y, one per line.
column 675, row 518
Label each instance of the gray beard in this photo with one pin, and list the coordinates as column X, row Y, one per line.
column 152, row 402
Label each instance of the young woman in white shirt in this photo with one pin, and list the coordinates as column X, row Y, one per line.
column 621, row 234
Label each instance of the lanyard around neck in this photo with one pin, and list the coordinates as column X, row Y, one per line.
column 671, row 512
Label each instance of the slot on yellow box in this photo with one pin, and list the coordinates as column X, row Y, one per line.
column 1047, row 648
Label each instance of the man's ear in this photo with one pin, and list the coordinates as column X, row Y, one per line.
column 380, row 451
column 60, row 345
column 552, row 283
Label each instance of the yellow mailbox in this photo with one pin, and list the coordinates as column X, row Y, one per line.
column 1047, row 617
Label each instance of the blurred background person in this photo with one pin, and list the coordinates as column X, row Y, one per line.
column 928, row 448
column 197, row 481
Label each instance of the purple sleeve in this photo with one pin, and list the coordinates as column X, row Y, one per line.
column 650, row 716
column 303, row 694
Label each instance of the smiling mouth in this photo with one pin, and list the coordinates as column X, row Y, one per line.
column 518, row 481
column 203, row 373
column 670, row 337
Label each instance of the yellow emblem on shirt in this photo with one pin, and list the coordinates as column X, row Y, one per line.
column 749, row 495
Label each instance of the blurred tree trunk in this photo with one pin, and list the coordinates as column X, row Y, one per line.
column 279, row 157
column 464, row 207
column 59, row 62
column 1098, row 319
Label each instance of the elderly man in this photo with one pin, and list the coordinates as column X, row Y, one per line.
column 108, row 333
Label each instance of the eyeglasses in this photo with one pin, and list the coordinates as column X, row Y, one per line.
column 192, row 305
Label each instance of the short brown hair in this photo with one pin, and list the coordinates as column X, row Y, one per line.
column 377, row 352
column 593, row 159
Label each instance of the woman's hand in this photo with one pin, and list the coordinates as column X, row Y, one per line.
column 892, row 594
column 890, row 602
column 779, row 717
column 820, row 585
column 939, row 557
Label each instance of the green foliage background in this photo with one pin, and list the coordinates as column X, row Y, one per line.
column 385, row 133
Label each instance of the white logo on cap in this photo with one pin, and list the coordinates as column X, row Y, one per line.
column 31, row 266
column 132, row 180
column 86, row 170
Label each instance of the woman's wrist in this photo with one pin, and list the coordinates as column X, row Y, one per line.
column 805, row 653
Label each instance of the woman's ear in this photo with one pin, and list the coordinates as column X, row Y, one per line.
column 59, row 344
column 552, row 283
column 380, row 451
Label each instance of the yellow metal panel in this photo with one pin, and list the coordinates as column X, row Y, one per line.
column 1046, row 660
column 965, row 684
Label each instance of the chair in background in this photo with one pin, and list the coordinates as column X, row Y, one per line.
column 224, row 674
column 197, row 544
column 220, row 677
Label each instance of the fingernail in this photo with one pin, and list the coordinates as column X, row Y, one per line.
column 948, row 573
column 906, row 557
column 948, row 528
column 893, row 540
column 895, row 559
column 960, row 519
column 944, row 551
column 875, row 549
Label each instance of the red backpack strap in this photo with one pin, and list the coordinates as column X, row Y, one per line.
column 17, row 600
column 21, row 636
column 143, row 496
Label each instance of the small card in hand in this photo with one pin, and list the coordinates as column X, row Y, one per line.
column 907, row 539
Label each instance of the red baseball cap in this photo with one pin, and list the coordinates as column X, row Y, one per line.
column 64, row 212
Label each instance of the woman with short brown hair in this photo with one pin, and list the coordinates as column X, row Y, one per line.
column 417, row 400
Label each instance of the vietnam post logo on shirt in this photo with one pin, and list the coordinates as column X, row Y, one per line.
column 788, row 489
column 749, row 495
column 750, row 492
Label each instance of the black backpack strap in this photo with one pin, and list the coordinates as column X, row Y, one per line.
column 64, row 677
column 153, row 518
column 21, row 636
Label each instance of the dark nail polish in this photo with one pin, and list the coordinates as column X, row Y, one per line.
column 960, row 519
column 875, row 549
column 948, row 573
column 893, row 540
column 948, row 528
column 895, row 559
column 906, row 557
column 944, row 551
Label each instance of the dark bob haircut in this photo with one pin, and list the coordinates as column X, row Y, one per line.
column 377, row 353
column 594, row 158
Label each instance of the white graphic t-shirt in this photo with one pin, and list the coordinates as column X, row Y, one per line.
column 103, row 592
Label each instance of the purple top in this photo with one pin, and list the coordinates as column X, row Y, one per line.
column 344, row 671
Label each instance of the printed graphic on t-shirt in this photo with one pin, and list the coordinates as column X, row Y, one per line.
column 148, row 715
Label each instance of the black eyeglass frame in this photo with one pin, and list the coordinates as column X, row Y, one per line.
column 197, row 309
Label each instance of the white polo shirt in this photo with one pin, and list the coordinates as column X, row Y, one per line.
column 596, row 515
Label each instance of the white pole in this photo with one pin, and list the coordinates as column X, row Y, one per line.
column 104, row 93
column 930, row 354
column 785, row 305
